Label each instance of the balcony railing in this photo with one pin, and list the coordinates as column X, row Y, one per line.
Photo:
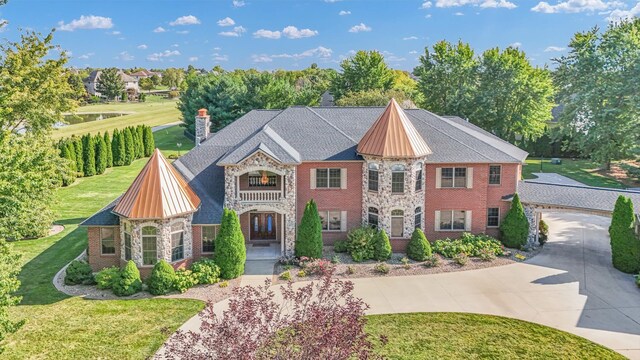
column 260, row 196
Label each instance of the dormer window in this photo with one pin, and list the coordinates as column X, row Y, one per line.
column 397, row 179
column 374, row 175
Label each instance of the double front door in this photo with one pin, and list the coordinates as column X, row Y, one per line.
column 263, row 226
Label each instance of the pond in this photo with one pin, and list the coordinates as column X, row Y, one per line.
column 80, row 118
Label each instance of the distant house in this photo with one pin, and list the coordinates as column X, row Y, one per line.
column 130, row 83
column 326, row 99
column 143, row 74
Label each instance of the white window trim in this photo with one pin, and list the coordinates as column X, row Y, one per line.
column 497, row 226
column 157, row 236
column 421, row 213
column 343, row 179
column 468, row 180
column 489, row 175
column 404, row 179
column 172, row 247
column 216, row 230
column 114, row 241
column 343, row 221
column 376, row 214
column 404, row 214
column 467, row 221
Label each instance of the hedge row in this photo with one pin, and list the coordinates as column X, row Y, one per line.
column 90, row 155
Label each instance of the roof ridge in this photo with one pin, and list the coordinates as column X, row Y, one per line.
column 532, row 181
column 331, row 124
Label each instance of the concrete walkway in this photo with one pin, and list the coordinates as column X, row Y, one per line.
column 162, row 127
column 553, row 178
column 570, row 286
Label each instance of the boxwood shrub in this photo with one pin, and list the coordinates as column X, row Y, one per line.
column 106, row 277
column 360, row 243
column 469, row 244
column 129, row 281
column 78, row 272
column 162, row 278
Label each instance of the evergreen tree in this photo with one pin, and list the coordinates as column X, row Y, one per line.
column 309, row 240
column 625, row 245
column 162, row 278
column 71, row 148
column 230, row 254
column 77, row 144
column 67, row 177
column 419, row 248
column 107, row 144
column 116, row 148
column 139, row 142
column 515, row 227
column 129, row 147
column 110, row 83
column 101, row 154
column 149, row 142
column 381, row 246
column 88, row 155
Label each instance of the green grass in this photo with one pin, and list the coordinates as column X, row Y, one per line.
column 167, row 140
column 475, row 336
column 152, row 113
column 583, row 171
column 59, row 326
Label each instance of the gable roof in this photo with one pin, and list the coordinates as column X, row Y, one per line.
column 393, row 136
column 269, row 142
column 158, row 192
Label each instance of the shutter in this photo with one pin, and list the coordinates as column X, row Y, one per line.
column 467, row 220
column 343, row 221
column 343, row 178
column 469, row 178
column 312, row 179
column 438, row 178
column 437, row 221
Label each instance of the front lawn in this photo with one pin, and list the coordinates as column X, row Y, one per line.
column 475, row 336
column 584, row 171
column 61, row 327
column 169, row 138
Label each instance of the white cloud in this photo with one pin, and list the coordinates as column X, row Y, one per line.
column 359, row 28
column 426, row 5
column 458, row 14
column 182, row 32
column 428, row 16
column 125, row 56
column 86, row 56
column 267, row 34
column 175, row 45
column 115, row 33
column 516, row 45
column 160, row 56
column 391, row 57
column 159, row 29
column 217, row 48
column 86, row 22
column 237, row 31
column 498, row 4
column 576, row 6
column 293, row 32
column 344, row 12
column 219, row 57
column 319, row 52
column 619, row 14
column 554, row 49
column 410, row 38
column 413, row 52
column 193, row 59
column 226, row 22
column 142, row 46
column 185, row 20
column 238, row 3
column 481, row 3
column 261, row 58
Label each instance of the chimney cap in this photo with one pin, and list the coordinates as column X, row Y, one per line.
column 202, row 112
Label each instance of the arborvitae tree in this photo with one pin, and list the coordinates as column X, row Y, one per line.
column 149, row 142
column 419, row 248
column 77, row 144
column 230, row 254
column 67, row 177
column 107, row 143
column 162, row 278
column 139, row 142
column 101, row 154
column 625, row 245
column 129, row 281
column 117, row 148
column 88, row 155
column 515, row 227
column 130, row 150
column 381, row 246
column 71, row 148
column 309, row 241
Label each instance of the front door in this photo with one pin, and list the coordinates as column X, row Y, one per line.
column 263, row 226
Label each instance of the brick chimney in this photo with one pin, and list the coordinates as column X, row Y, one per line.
column 202, row 126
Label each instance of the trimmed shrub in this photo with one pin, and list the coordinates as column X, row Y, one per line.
column 469, row 244
column 106, row 277
column 230, row 252
column 107, row 143
column 625, row 245
column 88, row 155
column 543, row 232
column 101, row 154
column 162, row 278
column 419, row 248
column 184, row 280
column 206, row 271
column 514, row 229
column 78, row 272
column 309, row 240
column 149, row 142
column 360, row 243
column 381, row 246
column 129, row 281
column 340, row 246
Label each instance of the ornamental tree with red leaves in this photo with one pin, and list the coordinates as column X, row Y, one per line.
column 321, row 320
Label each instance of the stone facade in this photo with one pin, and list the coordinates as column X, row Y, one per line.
column 285, row 206
column 386, row 201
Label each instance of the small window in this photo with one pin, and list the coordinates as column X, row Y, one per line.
column 328, row 178
column 331, row 220
column 460, row 178
column 494, row 174
column 373, row 177
column 419, row 177
column 452, row 220
column 446, row 177
column 127, row 246
column 493, row 217
column 209, row 234
column 397, row 179
column 177, row 242
column 149, row 245
column 397, row 223
column 373, row 217
column 453, row 177
column 418, row 218
column 107, row 241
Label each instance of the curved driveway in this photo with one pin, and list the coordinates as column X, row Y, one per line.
column 570, row 286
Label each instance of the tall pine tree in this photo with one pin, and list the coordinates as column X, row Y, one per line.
column 309, row 241
column 77, row 144
column 129, row 151
column 139, row 141
column 149, row 142
column 101, row 154
column 88, row 155
column 107, row 144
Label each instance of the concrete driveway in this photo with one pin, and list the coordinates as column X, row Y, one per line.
column 570, row 286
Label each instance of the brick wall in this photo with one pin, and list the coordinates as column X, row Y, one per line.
column 97, row 260
column 349, row 199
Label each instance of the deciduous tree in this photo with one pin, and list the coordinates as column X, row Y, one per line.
column 365, row 71
column 9, row 269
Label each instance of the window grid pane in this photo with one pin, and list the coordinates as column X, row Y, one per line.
column 208, row 239
column 458, row 220
column 419, row 180
column 127, row 246
column 373, row 217
column 373, row 180
column 494, row 174
column 107, row 242
column 460, row 177
column 322, row 178
column 397, row 226
column 445, row 220
column 334, row 178
column 177, row 246
column 323, row 219
column 418, row 218
column 446, row 178
column 493, row 217
column 397, row 182
column 149, row 252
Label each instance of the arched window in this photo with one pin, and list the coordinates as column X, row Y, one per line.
column 373, row 217
column 419, row 176
column 177, row 241
column 418, row 218
column 373, row 177
column 397, row 179
column 397, row 223
column 149, row 245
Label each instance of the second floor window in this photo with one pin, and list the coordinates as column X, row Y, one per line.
column 397, row 179
column 419, row 177
column 328, row 178
column 453, row 177
column 494, row 174
column 373, row 177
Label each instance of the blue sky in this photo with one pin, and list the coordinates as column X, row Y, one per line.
column 293, row 34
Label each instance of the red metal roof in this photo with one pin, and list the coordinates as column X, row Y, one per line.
column 393, row 136
column 158, row 192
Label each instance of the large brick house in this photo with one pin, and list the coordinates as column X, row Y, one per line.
column 393, row 168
